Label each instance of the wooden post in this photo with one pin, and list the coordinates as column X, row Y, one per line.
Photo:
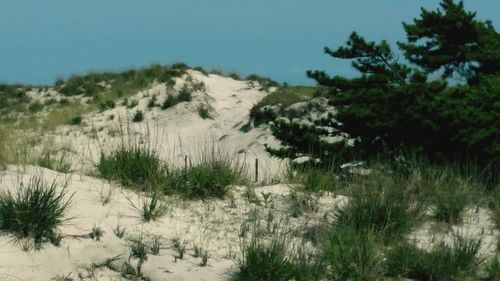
column 185, row 162
column 256, row 169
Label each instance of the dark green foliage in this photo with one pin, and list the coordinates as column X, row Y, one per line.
column 169, row 102
column 261, row 113
column 352, row 255
column 453, row 40
column 493, row 269
column 138, row 116
column 442, row 263
column 299, row 139
column 12, row 98
column 75, row 120
column 108, row 104
column 204, row 112
column 35, row 107
column 393, row 107
column 185, row 93
column 135, row 166
column 261, row 262
column 34, row 211
column 152, row 101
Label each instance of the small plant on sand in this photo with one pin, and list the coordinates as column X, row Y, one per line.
column 443, row 262
column 155, row 245
column 204, row 258
column 34, row 211
column 261, row 261
column 119, row 231
column 139, row 251
column 179, row 247
column 96, row 233
column 138, row 116
column 204, row 112
column 152, row 207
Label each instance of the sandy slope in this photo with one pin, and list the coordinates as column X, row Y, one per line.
column 216, row 225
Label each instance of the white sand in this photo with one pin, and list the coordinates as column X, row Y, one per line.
column 214, row 225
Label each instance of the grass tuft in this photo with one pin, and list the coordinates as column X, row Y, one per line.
column 34, row 211
column 133, row 166
column 264, row 262
column 441, row 263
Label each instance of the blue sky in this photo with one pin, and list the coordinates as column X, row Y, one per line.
column 43, row 40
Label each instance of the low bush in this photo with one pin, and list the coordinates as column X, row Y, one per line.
column 34, row 211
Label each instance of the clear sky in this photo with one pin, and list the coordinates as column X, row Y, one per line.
column 43, row 40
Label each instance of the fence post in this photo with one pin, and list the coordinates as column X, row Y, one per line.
column 256, row 169
column 185, row 162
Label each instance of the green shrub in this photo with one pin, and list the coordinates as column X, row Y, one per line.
column 442, row 263
column 260, row 113
column 133, row 166
column 391, row 105
column 34, row 211
column 138, row 116
column 169, row 102
column 35, row 107
column 204, row 112
column 261, row 262
column 352, row 255
column 185, row 93
column 75, row 120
